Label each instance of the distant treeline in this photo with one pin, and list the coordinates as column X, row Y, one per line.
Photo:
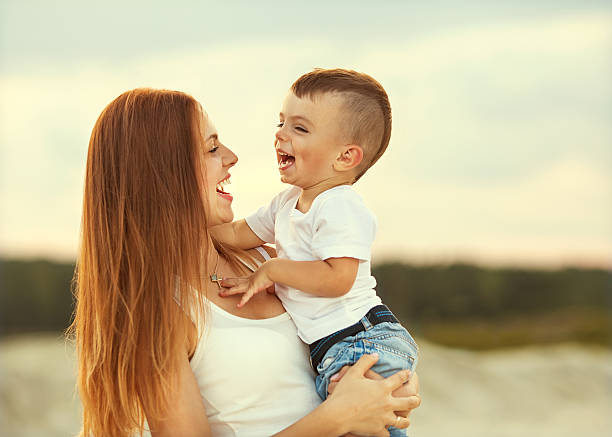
column 458, row 305
column 480, row 308
column 35, row 296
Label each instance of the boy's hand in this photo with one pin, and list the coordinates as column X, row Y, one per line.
column 258, row 281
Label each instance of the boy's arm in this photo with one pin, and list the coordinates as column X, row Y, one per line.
column 332, row 277
column 237, row 234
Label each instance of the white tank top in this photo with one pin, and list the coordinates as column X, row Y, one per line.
column 254, row 375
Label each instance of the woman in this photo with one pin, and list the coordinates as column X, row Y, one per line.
column 155, row 341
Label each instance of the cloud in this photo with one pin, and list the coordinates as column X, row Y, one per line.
column 556, row 216
column 491, row 104
column 500, row 144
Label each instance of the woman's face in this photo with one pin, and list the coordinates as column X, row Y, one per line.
column 217, row 161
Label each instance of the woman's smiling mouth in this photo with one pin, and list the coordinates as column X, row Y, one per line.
column 220, row 188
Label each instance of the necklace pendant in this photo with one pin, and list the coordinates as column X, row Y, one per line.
column 217, row 279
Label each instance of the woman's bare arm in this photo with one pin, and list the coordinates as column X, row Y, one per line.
column 187, row 415
column 358, row 404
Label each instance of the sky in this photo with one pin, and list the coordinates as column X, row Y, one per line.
column 501, row 150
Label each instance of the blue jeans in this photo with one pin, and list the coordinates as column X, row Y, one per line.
column 396, row 349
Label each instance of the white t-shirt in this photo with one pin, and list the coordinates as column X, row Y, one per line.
column 338, row 224
column 254, row 375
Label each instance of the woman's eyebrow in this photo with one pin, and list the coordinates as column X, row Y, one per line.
column 214, row 136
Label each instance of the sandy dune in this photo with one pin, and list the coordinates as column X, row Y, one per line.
column 553, row 391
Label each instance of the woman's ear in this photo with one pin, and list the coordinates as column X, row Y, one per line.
column 350, row 157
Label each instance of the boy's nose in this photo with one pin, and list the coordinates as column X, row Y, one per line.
column 280, row 135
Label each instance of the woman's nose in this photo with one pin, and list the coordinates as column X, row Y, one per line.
column 230, row 159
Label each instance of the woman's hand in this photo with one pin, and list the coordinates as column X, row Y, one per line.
column 368, row 399
column 408, row 390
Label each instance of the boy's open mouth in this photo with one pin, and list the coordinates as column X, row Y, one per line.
column 284, row 160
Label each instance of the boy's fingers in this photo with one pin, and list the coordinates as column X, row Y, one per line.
column 245, row 299
column 228, row 283
column 234, row 290
column 232, row 282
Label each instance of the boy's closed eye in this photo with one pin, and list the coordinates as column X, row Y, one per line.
column 298, row 128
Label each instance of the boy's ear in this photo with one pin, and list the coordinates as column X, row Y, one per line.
column 350, row 157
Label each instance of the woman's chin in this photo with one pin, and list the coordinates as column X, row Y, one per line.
column 220, row 219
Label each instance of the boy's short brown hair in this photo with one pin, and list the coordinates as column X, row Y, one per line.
column 367, row 108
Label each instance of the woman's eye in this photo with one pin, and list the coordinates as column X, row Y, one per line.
column 280, row 124
column 301, row 129
column 213, row 149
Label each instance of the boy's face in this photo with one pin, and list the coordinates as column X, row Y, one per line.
column 308, row 139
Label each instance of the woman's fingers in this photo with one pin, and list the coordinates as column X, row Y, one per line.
column 382, row 433
column 331, row 387
column 403, row 413
column 412, row 386
column 406, row 404
column 368, row 397
column 333, row 380
column 370, row 374
column 402, row 423
column 338, row 376
column 398, row 379
column 364, row 364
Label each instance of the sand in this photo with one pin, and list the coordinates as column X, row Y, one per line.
column 552, row 391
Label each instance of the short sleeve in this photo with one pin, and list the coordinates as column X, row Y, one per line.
column 343, row 227
column 263, row 220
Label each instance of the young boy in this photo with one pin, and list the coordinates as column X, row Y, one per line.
column 334, row 125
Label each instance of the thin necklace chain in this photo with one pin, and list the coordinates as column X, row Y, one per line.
column 215, row 277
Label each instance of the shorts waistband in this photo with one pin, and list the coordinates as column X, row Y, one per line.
column 376, row 315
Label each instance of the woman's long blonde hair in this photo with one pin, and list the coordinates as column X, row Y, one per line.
column 143, row 227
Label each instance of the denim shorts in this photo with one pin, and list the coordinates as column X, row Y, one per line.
column 396, row 350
